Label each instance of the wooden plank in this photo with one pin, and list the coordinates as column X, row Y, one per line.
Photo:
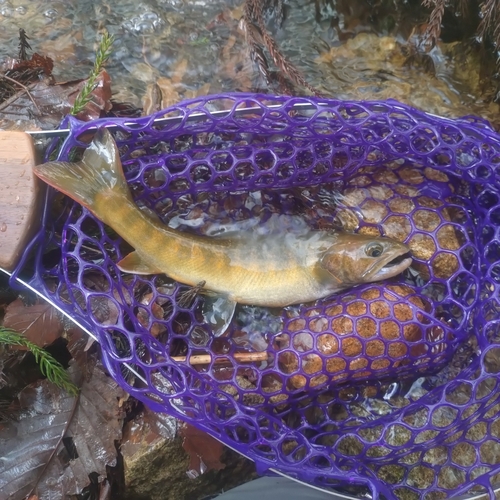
column 21, row 194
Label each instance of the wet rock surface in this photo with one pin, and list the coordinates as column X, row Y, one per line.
column 156, row 465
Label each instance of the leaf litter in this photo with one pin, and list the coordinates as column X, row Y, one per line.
column 31, row 99
column 89, row 423
column 45, row 102
column 53, row 444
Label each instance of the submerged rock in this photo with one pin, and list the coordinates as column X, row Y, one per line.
column 156, row 464
column 379, row 67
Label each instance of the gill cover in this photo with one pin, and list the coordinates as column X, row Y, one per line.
column 356, row 258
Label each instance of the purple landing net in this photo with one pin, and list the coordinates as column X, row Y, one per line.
column 327, row 393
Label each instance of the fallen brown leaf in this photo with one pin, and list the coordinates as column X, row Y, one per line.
column 204, row 450
column 151, row 102
column 40, row 323
column 43, row 63
column 79, row 344
column 158, row 313
column 236, row 64
column 104, row 309
column 147, row 427
column 100, row 102
column 89, row 445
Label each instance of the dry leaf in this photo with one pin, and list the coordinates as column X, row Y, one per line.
column 100, row 102
column 46, row 114
column 28, row 444
column 43, row 63
column 170, row 91
column 104, row 309
column 40, row 323
column 236, row 65
column 203, row 90
column 158, row 313
column 79, row 343
column 204, row 451
column 179, row 71
column 151, row 102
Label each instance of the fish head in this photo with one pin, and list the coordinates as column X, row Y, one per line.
column 356, row 258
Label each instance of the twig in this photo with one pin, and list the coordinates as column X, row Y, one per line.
column 65, row 430
column 280, row 12
column 8, row 78
column 205, row 359
column 256, row 53
column 255, row 27
column 253, row 10
column 434, row 27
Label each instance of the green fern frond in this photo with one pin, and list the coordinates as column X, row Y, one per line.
column 49, row 366
column 101, row 57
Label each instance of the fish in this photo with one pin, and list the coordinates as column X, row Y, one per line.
column 267, row 270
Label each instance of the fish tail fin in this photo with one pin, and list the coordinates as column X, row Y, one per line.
column 99, row 172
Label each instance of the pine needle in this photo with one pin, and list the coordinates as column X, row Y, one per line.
column 49, row 366
column 463, row 7
column 433, row 30
column 489, row 17
column 101, row 57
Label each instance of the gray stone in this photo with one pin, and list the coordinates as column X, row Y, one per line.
column 156, row 464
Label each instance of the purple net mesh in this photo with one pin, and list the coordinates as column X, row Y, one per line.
column 331, row 396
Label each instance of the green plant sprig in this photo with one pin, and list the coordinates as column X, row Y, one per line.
column 49, row 366
column 101, row 57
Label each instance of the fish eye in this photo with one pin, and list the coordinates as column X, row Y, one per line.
column 374, row 250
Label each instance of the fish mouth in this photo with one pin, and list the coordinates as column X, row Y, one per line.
column 395, row 266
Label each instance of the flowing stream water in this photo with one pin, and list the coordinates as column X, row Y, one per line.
column 190, row 47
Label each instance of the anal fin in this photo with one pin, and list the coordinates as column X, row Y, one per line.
column 134, row 264
column 152, row 215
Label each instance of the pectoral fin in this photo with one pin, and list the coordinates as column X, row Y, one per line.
column 134, row 264
column 218, row 312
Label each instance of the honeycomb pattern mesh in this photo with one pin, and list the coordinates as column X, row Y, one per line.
column 389, row 388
